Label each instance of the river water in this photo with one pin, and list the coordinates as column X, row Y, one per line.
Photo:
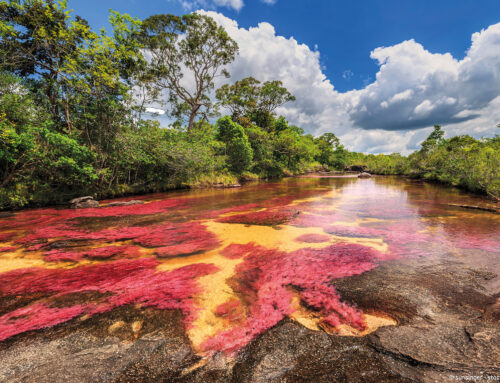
column 235, row 262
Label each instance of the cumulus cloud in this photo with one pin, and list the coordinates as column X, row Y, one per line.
column 268, row 56
column 413, row 88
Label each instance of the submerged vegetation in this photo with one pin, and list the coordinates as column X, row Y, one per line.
column 73, row 107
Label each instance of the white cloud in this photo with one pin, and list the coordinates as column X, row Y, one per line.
column 413, row 89
column 270, row 2
column 156, row 111
column 429, row 87
column 190, row 5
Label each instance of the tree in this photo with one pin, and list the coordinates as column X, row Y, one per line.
column 192, row 44
column 433, row 139
column 330, row 151
column 241, row 98
column 237, row 147
column 37, row 38
column 81, row 73
column 247, row 98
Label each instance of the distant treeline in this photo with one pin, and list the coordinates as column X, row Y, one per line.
column 459, row 161
column 74, row 101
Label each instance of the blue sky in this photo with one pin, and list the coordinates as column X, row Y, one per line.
column 344, row 31
column 427, row 73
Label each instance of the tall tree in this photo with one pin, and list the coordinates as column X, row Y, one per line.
column 248, row 98
column 193, row 44
column 77, row 70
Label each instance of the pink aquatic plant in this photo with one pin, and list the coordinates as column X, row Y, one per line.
column 105, row 252
column 312, row 238
column 7, row 249
column 265, row 277
column 121, row 282
column 268, row 217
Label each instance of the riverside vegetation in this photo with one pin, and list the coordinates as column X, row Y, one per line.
column 73, row 119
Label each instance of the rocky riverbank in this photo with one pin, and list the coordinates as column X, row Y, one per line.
column 448, row 326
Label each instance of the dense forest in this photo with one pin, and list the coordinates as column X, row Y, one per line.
column 74, row 115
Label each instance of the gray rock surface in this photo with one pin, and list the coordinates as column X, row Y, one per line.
column 448, row 325
column 364, row 175
column 83, row 202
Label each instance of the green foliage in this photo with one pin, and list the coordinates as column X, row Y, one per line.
column 330, row 152
column 194, row 44
column 237, row 148
column 248, row 100
column 459, row 161
column 72, row 101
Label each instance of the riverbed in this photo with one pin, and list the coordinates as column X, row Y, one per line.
column 304, row 279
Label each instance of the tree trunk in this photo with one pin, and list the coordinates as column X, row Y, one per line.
column 67, row 114
column 192, row 116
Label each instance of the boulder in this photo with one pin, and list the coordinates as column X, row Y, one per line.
column 364, row 175
column 83, row 202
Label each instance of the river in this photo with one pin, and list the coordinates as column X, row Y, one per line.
column 325, row 253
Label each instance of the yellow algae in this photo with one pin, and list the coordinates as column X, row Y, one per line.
column 9, row 263
column 214, row 287
column 373, row 322
column 312, row 321
column 116, row 326
column 215, row 291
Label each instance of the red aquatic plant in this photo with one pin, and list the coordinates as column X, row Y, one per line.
column 124, row 282
column 34, row 317
column 7, row 249
column 264, row 279
column 179, row 239
column 268, row 217
column 105, row 252
column 183, row 238
column 312, row 238
column 4, row 237
column 235, row 250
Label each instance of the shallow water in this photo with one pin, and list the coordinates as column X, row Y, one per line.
column 235, row 261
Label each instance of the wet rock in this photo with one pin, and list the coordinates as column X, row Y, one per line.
column 85, row 351
column 83, row 202
column 364, row 175
column 290, row 352
column 125, row 203
column 447, row 325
